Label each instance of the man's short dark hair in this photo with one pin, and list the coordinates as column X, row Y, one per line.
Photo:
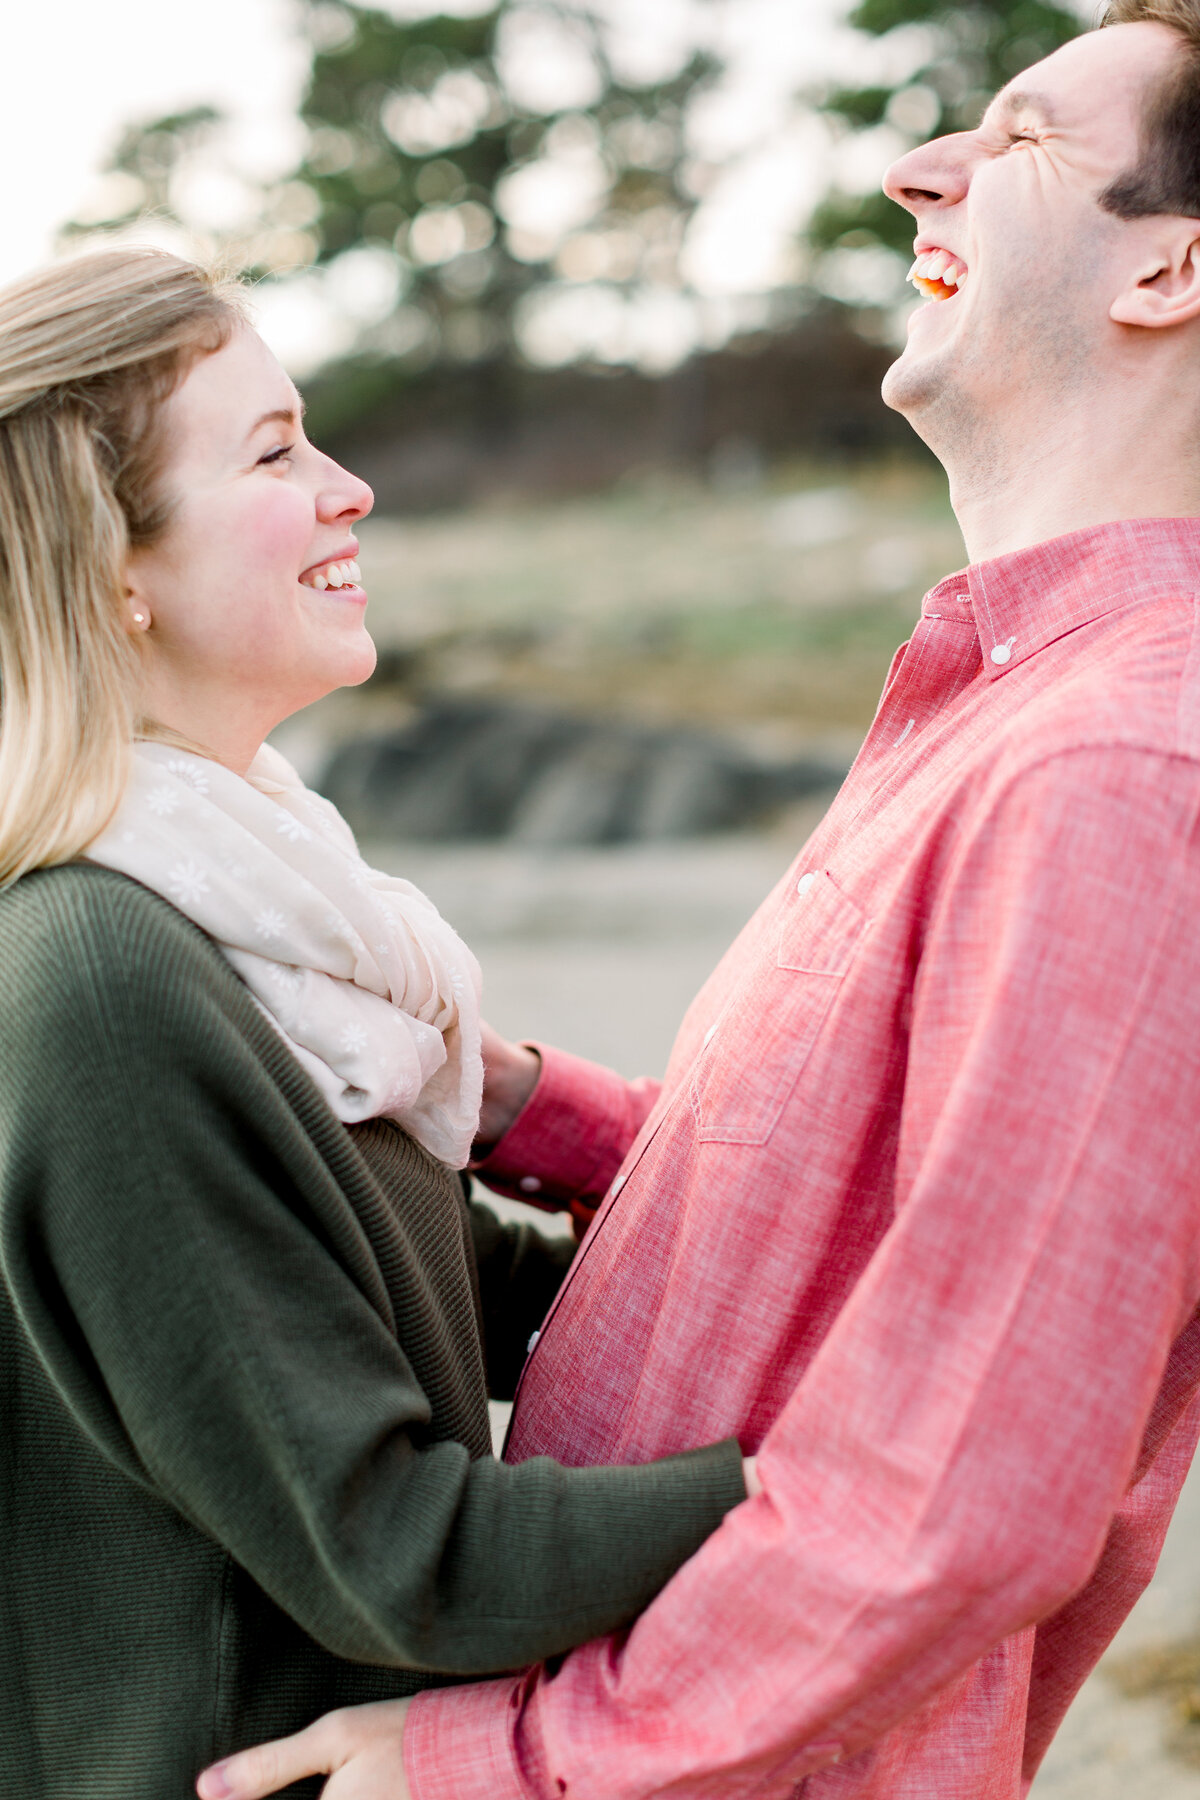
column 1166, row 178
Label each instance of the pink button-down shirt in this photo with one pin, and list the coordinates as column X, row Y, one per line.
column 916, row 1214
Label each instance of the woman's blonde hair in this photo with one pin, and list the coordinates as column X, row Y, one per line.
column 89, row 351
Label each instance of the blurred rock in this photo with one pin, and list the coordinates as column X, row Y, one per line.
column 481, row 769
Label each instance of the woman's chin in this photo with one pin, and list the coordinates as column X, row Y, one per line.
column 346, row 661
column 349, row 648
column 363, row 664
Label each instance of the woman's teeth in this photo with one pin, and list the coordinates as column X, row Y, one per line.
column 334, row 575
column 938, row 275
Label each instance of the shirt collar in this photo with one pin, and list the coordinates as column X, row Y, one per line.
column 1028, row 599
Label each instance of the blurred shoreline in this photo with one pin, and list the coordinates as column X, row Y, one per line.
column 767, row 608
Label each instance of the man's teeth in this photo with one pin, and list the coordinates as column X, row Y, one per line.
column 937, row 274
column 334, row 575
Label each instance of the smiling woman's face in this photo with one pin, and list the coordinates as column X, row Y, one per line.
column 240, row 631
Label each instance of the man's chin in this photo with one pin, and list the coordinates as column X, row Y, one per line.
column 922, row 367
column 914, row 381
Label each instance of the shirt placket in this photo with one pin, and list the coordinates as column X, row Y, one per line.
column 940, row 660
column 637, row 1151
column 939, row 663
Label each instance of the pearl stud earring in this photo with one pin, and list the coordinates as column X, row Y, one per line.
column 139, row 618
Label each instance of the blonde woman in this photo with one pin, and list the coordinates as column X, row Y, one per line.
column 245, row 1450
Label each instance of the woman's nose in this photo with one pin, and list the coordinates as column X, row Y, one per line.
column 343, row 495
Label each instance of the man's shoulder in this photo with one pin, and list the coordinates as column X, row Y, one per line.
column 1132, row 692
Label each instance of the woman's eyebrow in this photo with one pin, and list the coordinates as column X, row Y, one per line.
column 282, row 415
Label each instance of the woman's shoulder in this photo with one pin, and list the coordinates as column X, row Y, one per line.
column 81, row 903
column 80, row 935
column 105, row 982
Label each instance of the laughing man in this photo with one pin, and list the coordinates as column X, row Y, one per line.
column 916, row 1213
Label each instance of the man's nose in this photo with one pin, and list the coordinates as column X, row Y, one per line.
column 932, row 175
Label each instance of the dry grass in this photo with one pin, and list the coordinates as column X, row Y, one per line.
column 1169, row 1672
column 772, row 611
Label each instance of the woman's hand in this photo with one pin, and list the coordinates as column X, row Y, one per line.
column 358, row 1747
column 510, row 1073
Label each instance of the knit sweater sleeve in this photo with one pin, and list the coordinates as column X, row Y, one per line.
column 210, row 1316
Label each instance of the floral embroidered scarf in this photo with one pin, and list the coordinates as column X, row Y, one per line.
column 375, row 994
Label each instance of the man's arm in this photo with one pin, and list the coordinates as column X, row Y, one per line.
column 564, row 1126
column 948, row 1469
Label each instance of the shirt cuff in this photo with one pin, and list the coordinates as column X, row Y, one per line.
column 459, row 1743
column 570, row 1138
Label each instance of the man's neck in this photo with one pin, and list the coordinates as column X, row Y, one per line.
column 1090, row 465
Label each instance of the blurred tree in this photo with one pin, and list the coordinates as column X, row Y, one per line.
column 138, row 174
column 956, row 56
column 440, row 189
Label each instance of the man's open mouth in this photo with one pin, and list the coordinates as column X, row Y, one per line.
column 938, row 275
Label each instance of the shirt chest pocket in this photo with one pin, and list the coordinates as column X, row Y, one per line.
column 748, row 1069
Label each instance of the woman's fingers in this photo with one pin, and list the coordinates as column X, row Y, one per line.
column 330, row 1744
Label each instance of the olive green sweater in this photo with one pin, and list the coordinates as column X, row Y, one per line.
column 245, row 1471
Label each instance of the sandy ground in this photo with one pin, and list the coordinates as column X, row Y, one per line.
column 600, row 951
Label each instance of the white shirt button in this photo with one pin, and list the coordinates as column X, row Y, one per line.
column 1001, row 652
column 531, row 1346
column 828, row 1747
column 805, row 882
column 619, row 1183
column 710, row 1034
column 529, row 1184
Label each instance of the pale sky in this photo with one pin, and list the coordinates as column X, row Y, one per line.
column 121, row 60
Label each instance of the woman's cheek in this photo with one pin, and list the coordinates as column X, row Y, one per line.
column 273, row 530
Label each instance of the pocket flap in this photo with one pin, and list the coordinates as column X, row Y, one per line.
column 820, row 928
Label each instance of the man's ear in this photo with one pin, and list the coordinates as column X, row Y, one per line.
column 1166, row 290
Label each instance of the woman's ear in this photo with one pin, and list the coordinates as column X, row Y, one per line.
column 139, row 609
column 1167, row 288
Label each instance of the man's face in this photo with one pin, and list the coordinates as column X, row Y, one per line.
column 1016, row 205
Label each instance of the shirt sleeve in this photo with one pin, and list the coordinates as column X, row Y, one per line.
column 192, row 1276
column 571, row 1136
column 949, row 1468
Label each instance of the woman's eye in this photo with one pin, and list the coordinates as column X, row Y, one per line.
column 274, row 456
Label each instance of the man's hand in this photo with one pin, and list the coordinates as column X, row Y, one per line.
column 358, row 1747
column 510, row 1073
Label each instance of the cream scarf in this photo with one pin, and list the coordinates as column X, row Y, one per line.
column 375, row 994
